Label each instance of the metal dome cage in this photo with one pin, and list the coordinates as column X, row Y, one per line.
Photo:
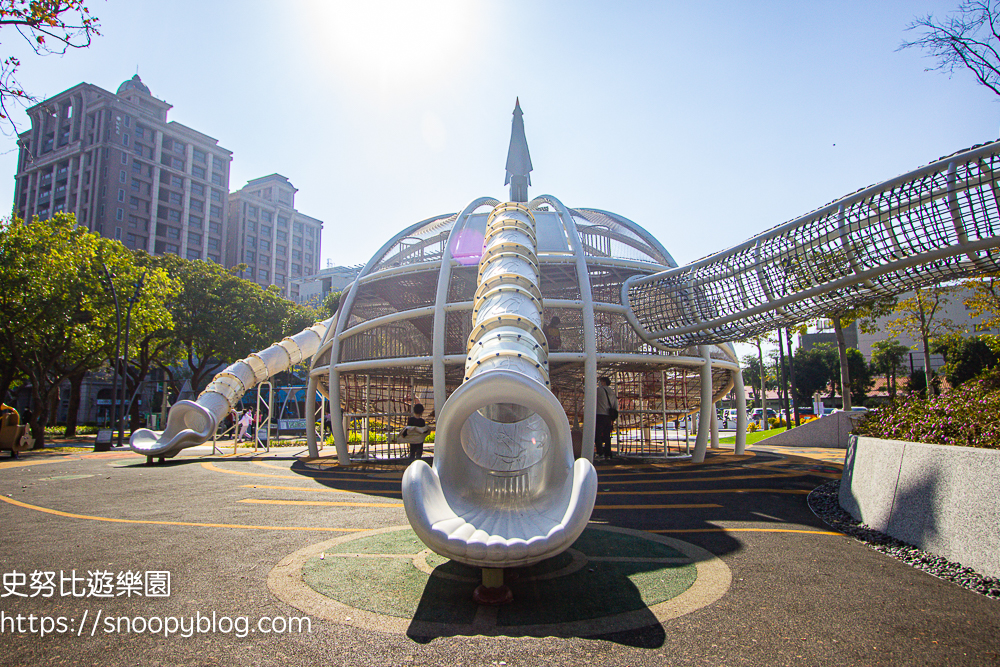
column 401, row 333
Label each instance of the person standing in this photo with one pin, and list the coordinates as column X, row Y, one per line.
column 416, row 431
column 552, row 334
column 607, row 412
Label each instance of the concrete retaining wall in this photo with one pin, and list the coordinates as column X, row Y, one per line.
column 829, row 431
column 944, row 500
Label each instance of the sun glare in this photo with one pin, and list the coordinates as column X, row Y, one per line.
column 394, row 42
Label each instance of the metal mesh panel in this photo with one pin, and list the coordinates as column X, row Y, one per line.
column 558, row 281
column 404, row 338
column 605, row 234
column 426, row 244
column 935, row 224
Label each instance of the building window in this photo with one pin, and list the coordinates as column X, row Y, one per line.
column 121, row 176
column 176, row 181
column 217, row 178
column 194, row 221
column 214, row 258
column 297, row 269
column 265, row 231
column 297, row 254
column 194, row 239
column 251, row 242
column 262, row 274
column 279, row 279
column 251, row 211
column 198, row 172
column 135, row 184
column 173, row 216
column 282, row 236
column 193, row 254
column 298, row 227
column 248, row 256
column 213, row 244
column 216, row 196
column 281, row 250
column 121, row 195
column 215, row 211
column 118, row 232
column 197, row 205
column 125, row 140
column 124, row 158
column 176, row 198
column 265, row 216
column 265, row 245
column 170, row 247
column 119, row 215
column 173, row 233
column 198, row 189
column 280, row 264
column 199, row 155
column 282, row 222
column 133, row 202
column 215, row 227
column 297, row 240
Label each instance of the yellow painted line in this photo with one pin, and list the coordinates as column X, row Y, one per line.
column 208, row 466
column 746, row 530
column 36, row 462
column 307, row 489
column 324, row 503
column 46, row 510
column 656, row 507
column 705, row 491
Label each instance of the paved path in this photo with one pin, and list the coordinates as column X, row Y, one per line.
column 797, row 592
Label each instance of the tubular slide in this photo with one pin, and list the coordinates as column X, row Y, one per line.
column 504, row 490
column 192, row 423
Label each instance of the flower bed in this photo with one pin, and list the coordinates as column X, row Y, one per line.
column 967, row 415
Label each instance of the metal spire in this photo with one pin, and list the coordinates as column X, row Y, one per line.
column 518, row 159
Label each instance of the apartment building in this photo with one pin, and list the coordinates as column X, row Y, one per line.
column 276, row 242
column 126, row 172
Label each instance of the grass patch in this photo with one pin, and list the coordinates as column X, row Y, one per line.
column 754, row 437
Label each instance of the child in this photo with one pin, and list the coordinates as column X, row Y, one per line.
column 417, row 429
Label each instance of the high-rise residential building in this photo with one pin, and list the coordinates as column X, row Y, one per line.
column 127, row 173
column 277, row 243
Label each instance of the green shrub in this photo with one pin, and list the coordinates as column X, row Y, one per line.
column 966, row 415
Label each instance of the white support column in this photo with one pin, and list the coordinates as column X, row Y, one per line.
column 311, row 387
column 704, row 417
column 589, row 329
column 441, row 300
column 741, row 410
column 715, row 427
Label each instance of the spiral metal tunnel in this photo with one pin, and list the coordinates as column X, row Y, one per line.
column 504, row 490
column 192, row 423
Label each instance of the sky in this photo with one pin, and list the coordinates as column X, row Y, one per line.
column 703, row 122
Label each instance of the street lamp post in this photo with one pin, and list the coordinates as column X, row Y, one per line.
column 118, row 337
column 128, row 320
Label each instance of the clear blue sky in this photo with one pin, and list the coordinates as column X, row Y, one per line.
column 704, row 122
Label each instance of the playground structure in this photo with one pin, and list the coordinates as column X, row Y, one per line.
column 504, row 490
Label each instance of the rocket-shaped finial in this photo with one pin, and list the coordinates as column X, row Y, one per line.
column 518, row 159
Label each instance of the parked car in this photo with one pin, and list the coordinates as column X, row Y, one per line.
column 756, row 412
column 856, row 408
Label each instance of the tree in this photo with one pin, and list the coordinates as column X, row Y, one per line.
column 815, row 369
column 967, row 358
column 967, row 39
column 862, row 377
column 887, row 359
column 753, row 378
column 56, row 320
column 865, row 315
column 984, row 300
column 219, row 318
column 49, row 27
column 331, row 303
column 920, row 317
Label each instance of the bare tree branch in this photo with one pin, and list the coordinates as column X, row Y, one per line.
column 969, row 38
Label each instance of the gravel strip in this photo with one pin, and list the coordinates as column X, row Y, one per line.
column 824, row 502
